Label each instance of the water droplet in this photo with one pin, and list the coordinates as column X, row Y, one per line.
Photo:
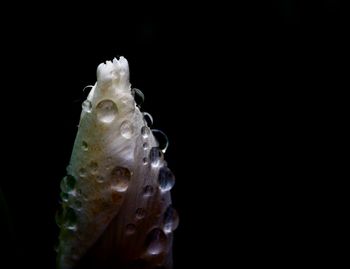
column 126, row 129
column 130, row 228
column 162, row 137
column 93, row 166
column 156, row 242
column 145, row 145
column 145, row 160
column 71, row 219
column 140, row 213
column 138, row 96
column 85, row 146
column 82, row 172
column 171, row 219
column 145, row 131
column 88, row 86
column 166, row 179
column 120, row 179
column 87, row 106
column 64, row 196
column 68, row 183
column 100, row 179
column 106, row 111
column 155, row 156
column 148, row 116
column 148, row 191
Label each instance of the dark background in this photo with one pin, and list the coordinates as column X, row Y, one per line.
column 231, row 86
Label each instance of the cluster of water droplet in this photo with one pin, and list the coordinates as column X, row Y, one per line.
column 145, row 132
column 166, row 180
column 106, row 112
column 157, row 238
column 66, row 216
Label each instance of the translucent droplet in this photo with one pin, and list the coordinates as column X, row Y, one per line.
column 100, row 179
column 93, row 167
column 70, row 219
column 68, row 183
column 170, row 220
column 166, row 179
column 156, row 242
column 138, row 96
column 64, row 196
column 162, row 139
column 145, row 160
column 148, row 116
column 130, row 228
column 120, row 179
column 145, row 145
column 82, row 172
column 155, row 156
column 148, row 191
column 126, row 129
column 145, row 131
column 140, row 213
column 106, row 111
column 84, row 145
column 87, row 106
column 88, row 86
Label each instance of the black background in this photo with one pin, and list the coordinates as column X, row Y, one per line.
column 231, row 86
